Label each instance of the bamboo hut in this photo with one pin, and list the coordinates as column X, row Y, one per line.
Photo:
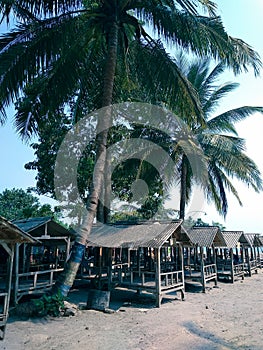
column 147, row 257
column 251, row 243
column 37, row 266
column 229, row 258
column 200, row 259
column 10, row 236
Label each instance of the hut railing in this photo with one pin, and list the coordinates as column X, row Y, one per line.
column 227, row 265
column 210, row 271
column 239, row 269
column 171, row 279
column 142, row 277
column 36, row 281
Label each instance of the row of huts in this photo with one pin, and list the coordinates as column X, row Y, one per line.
column 153, row 257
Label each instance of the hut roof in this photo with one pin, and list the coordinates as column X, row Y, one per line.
column 133, row 236
column 206, row 236
column 250, row 239
column 10, row 233
column 42, row 227
column 232, row 238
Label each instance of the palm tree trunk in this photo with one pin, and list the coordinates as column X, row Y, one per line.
column 107, row 190
column 183, row 188
column 103, row 210
column 66, row 279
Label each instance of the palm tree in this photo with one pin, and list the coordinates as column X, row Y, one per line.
column 62, row 48
column 223, row 149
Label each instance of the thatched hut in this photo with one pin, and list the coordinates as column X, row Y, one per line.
column 37, row 265
column 200, row 265
column 10, row 236
column 230, row 260
column 147, row 257
column 251, row 243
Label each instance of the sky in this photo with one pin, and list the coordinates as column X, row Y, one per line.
column 242, row 19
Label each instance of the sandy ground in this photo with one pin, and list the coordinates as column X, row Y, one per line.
column 227, row 317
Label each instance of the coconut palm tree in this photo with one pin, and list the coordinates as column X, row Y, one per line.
column 59, row 49
column 223, row 149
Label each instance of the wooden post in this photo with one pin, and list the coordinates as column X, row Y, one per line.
column 249, row 255
column 214, row 259
column 68, row 248
column 129, row 258
column 46, row 229
column 6, row 295
column 24, row 258
column 16, row 272
column 158, row 277
column 189, row 256
column 11, row 263
column 195, row 257
column 100, row 266
column 232, row 265
column 202, row 269
column 242, row 255
column 109, row 268
column 138, row 261
column 181, row 254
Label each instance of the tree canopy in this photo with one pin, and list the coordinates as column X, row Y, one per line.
column 223, row 149
column 18, row 204
column 72, row 54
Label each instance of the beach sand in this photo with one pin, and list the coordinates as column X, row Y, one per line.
column 229, row 316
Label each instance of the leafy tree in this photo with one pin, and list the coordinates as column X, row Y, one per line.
column 221, row 226
column 224, row 151
column 62, row 48
column 19, row 204
column 190, row 222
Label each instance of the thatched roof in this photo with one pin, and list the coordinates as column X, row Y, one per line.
column 206, row 236
column 133, row 236
column 250, row 240
column 11, row 234
column 232, row 238
column 42, row 227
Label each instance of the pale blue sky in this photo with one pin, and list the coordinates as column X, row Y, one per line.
column 242, row 19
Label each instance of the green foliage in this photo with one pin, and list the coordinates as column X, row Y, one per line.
column 221, row 226
column 53, row 61
column 19, row 204
column 55, row 55
column 51, row 305
column 223, row 150
column 200, row 223
column 125, row 216
column 190, row 222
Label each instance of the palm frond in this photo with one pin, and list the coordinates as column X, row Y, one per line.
column 23, row 10
column 223, row 121
column 160, row 74
column 211, row 104
column 205, row 36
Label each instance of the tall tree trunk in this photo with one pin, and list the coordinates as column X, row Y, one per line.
column 107, row 190
column 103, row 210
column 66, row 279
column 183, row 188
